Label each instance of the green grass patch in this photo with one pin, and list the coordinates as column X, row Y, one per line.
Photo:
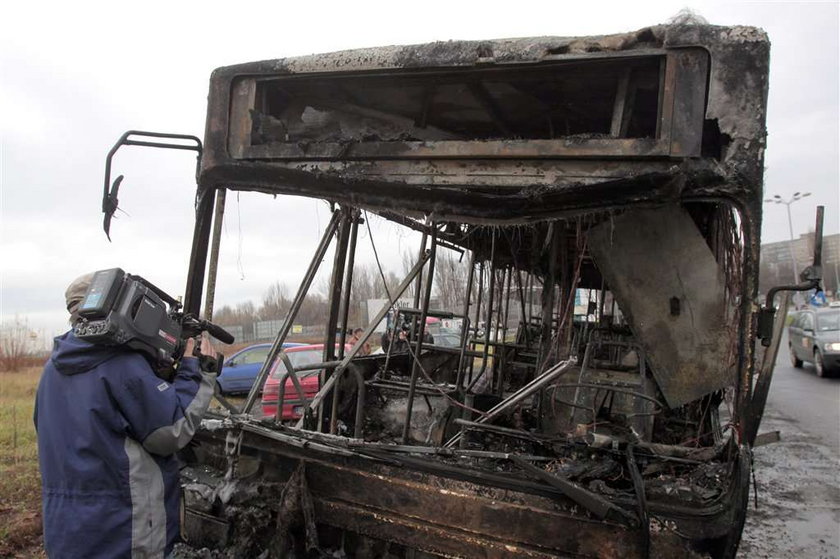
column 20, row 481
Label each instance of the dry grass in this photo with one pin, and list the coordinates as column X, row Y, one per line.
column 20, row 483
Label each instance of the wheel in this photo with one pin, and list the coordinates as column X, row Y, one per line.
column 795, row 361
column 818, row 364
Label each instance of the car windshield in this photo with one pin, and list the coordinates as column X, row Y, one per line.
column 298, row 359
column 828, row 321
column 255, row 355
column 447, row 340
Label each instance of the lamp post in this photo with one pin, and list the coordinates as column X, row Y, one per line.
column 779, row 200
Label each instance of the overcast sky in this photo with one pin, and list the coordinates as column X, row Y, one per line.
column 75, row 76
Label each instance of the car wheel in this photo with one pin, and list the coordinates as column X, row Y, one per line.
column 794, row 360
column 818, row 364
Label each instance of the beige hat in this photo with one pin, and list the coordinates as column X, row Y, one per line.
column 75, row 293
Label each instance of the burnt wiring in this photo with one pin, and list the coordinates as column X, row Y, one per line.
column 437, row 388
column 376, row 255
column 639, row 487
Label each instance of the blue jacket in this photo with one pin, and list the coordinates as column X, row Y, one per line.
column 108, row 429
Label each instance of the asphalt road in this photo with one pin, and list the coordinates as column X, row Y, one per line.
column 798, row 478
column 812, row 401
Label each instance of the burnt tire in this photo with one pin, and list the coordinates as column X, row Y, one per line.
column 794, row 360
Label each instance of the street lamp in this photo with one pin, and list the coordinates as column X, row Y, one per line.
column 779, row 200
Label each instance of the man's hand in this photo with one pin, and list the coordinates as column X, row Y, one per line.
column 209, row 360
column 205, row 348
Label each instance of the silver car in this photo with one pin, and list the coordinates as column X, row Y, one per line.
column 814, row 336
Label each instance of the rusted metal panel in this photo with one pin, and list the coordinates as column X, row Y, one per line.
column 443, row 515
column 692, row 67
column 671, row 289
column 242, row 98
column 453, row 149
column 504, row 514
column 445, row 541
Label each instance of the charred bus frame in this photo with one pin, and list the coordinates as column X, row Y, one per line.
column 630, row 165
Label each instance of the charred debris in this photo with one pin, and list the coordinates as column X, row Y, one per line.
column 625, row 167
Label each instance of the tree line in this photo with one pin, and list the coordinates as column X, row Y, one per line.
column 449, row 289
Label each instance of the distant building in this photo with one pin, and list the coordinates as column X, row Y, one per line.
column 777, row 268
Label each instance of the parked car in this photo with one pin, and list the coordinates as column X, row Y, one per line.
column 447, row 339
column 242, row 368
column 814, row 336
column 309, row 381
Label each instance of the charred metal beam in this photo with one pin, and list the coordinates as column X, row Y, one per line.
column 488, row 315
column 348, row 280
column 552, row 241
column 415, row 367
column 198, row 255
column 593, row 502
column 529, row 389
column 465, row 323
column 335, row 299
column 212, row 268
column 449, row 243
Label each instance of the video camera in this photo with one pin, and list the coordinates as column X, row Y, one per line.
column 121, row 309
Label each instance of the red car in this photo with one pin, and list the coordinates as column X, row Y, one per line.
column 292, row 406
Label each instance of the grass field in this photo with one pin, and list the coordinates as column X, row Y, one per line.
column 20, row 484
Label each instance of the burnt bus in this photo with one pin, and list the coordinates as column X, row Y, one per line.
column 628, row 167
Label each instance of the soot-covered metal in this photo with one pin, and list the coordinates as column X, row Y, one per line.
column 623, row 167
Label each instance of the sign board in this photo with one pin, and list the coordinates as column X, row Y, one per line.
column 375, row 305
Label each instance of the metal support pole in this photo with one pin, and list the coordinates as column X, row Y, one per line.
column 790, row 247
column 477, row 321
column 465, row 323
column 500, row 348
column 523, row 319
column 508, row 287
column 348, row 280
column 491, row 290
column 213, row 266
column 548, row 300
column 325, row 389
column 415, row 368
column 417, row 287
column 198, row 255
column 345, row 306
column 535, row 385
column 336, row 281
column 530, row 289
column 336, row 284
column 296, row 303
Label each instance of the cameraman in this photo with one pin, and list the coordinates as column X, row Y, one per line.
column 108, row 429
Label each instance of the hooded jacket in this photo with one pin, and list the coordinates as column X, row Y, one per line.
column 107, row 430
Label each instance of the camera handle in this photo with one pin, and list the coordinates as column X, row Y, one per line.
column 194, row 327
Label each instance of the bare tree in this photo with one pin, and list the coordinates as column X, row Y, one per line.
column 409, row 259
column 17, row 344
column 276, row 302
column 450, row 280
column 243, row 314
